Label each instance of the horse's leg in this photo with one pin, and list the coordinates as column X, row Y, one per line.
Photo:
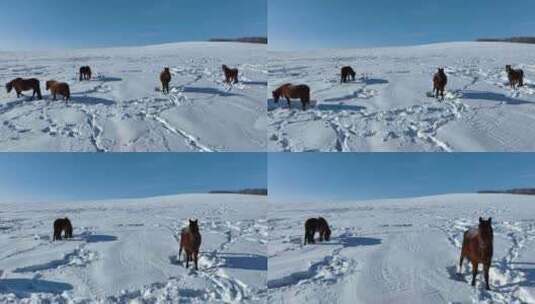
column 306, row 237
column 196, row 256
column 486, row 268
column 179, row 252
column 289, row 103
column 474, row 273
column 187, row 259
column 461, row 264
column 321, row 236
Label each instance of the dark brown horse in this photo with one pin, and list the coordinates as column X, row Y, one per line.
column 62, row 225
column 60, row 88
column 289, row 91
column 516, row 77
column 313, row 225
column 478, row 248
column 347, row 72
column 439, row 83
column 85, row 73
column 165, row 79
column 190, row 241
column 231, row 75
column 21, row 85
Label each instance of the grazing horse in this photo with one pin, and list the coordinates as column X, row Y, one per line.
column 516, row 77
column 190, row 240
column 313, row 225
column 61, row 88
column 347, row 72
column 61, row 225
column 439, row 83
column 231, row 75
column 478, row 247
column 21, row 85
column 165, row 78
column 290, row 91
column 85, row 73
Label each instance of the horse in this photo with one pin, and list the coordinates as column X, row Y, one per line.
column 231, row 75
column 21, row 85
column 346, row 73
column 516, row 77
column 85, row 73
column 190, row 241
column 62, row 225
column 439, row 83
column 478, row 247
column 61, row 88
column 290, row 91
column 165, row 78
column 313, row 225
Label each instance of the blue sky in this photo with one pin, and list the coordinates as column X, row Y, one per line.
column 308, row 24
column 41, row 177
column 53, row 24
column 361, row 176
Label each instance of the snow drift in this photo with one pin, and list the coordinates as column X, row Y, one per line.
column 123, row 109
column 387, row 107
column 125, row 251
column 401, row 251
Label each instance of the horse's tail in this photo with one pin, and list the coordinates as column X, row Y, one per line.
column 38, row 90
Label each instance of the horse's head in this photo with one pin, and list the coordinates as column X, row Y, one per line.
column 166, row 70
column 276, row 95
column 9, row 87
column 49, row 84
column 193, row 226
column 485, row 228
column 441, row 70
column 327, row 234
column 508, row 68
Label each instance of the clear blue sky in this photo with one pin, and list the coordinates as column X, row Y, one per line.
column 36, row 177
column 298, row 24
column 53, row 24
column 360, row 176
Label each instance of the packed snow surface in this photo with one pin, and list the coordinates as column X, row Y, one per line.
column 401, row 251
column 123, row 109
column 389, row 108
column 125, row 251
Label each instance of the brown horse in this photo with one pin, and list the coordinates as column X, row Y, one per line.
column 439, row 83
column 313, row 225
column 231, row 75
column 85, row 73
column 516, row 77
column 21, row 85
column 62, row 225
column 478, row 247
column 59, row 88
column 290, row 91
column 190, row 240
column 347, row 72
column 165, row 78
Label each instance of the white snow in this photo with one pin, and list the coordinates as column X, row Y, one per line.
column 125, row 251
column 123, row 109
column 387, row 108
column 401, row 251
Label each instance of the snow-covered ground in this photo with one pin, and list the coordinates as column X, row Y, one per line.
column 121, row 109
column 401, row 251
column 125, row 251
column 387, row 108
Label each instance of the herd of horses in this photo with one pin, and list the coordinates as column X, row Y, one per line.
column 440, row 80
column 477, row 244
column 61, row 88
column 190, row 238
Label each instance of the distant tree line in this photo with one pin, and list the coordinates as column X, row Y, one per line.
column 526, row 191
column 262, row 40
column 512, row 39
column 253, row 191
